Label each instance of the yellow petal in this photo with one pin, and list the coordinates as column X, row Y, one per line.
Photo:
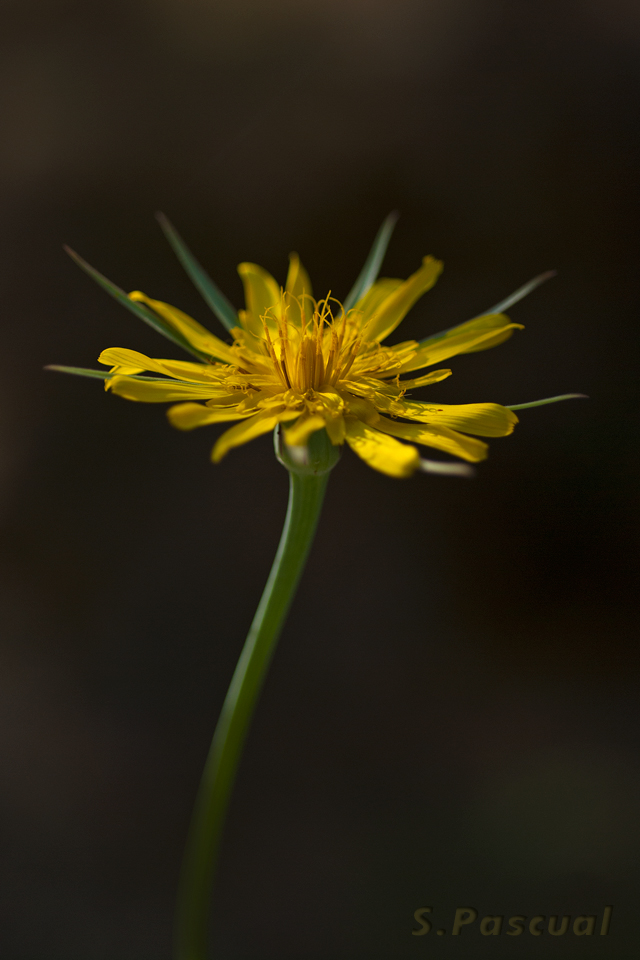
column 231, row 398
column 396, row 306
column 262, row 297
column 489, row 321
column 361, row 408
column 297, row 291
column 469, row 337
column 331, row 400
column 483, row 419
column 336, row 428
column 162, row 391
column 434, row 377
column 124, row 370
column 252, row 330
column 387, row 360
column 255, row 426
column 377, row 293
column 436, row 436
column 187, row 416
column 381, row 452
column 197, row 335
column 366, row 387
column 130, row 361
column 299, row 433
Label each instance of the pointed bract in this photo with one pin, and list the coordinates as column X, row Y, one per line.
column 210, row 292
column 138, row 309
column 317, row 367
column 372, row 264
column 543, row 403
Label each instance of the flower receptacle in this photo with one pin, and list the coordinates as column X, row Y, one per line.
column 316, row 458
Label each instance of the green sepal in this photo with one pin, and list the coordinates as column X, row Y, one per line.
column 139, row 309
column 372, row 264
column 518, row 294
column 316, row 458
column 541, row 403
column 210, row 292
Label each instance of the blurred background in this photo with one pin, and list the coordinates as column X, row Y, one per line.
column 451, row 718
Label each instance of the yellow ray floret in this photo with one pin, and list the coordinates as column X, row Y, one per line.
column 311, row 365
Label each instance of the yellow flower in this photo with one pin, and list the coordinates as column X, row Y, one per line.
column 309, row 364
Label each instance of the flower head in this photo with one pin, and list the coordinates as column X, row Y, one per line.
column 314, row 364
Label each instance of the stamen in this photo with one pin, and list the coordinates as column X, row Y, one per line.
column 319, row 364
column 283, row 366
column 287, row 356
column 311, row 364
column 320, row 349
column 350, row 360
column 343, row 331
column 333, row 351
column 272, row 353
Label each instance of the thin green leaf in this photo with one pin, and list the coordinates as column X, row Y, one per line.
column 541, row 403
column 499, row 307
column 519, row 294
column 139, row 309
column 211, row 293
column 80, row 371
column 369, row 272
column 107, row 375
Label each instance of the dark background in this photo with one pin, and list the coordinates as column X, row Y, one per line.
column 451, row 718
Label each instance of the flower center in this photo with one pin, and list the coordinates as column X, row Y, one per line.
column 316, row 353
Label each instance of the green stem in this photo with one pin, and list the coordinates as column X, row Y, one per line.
column 306, row 493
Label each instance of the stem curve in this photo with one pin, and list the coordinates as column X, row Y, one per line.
column 306, row 493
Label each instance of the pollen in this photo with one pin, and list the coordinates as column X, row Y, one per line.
column 310, row 365
column 316, row 353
